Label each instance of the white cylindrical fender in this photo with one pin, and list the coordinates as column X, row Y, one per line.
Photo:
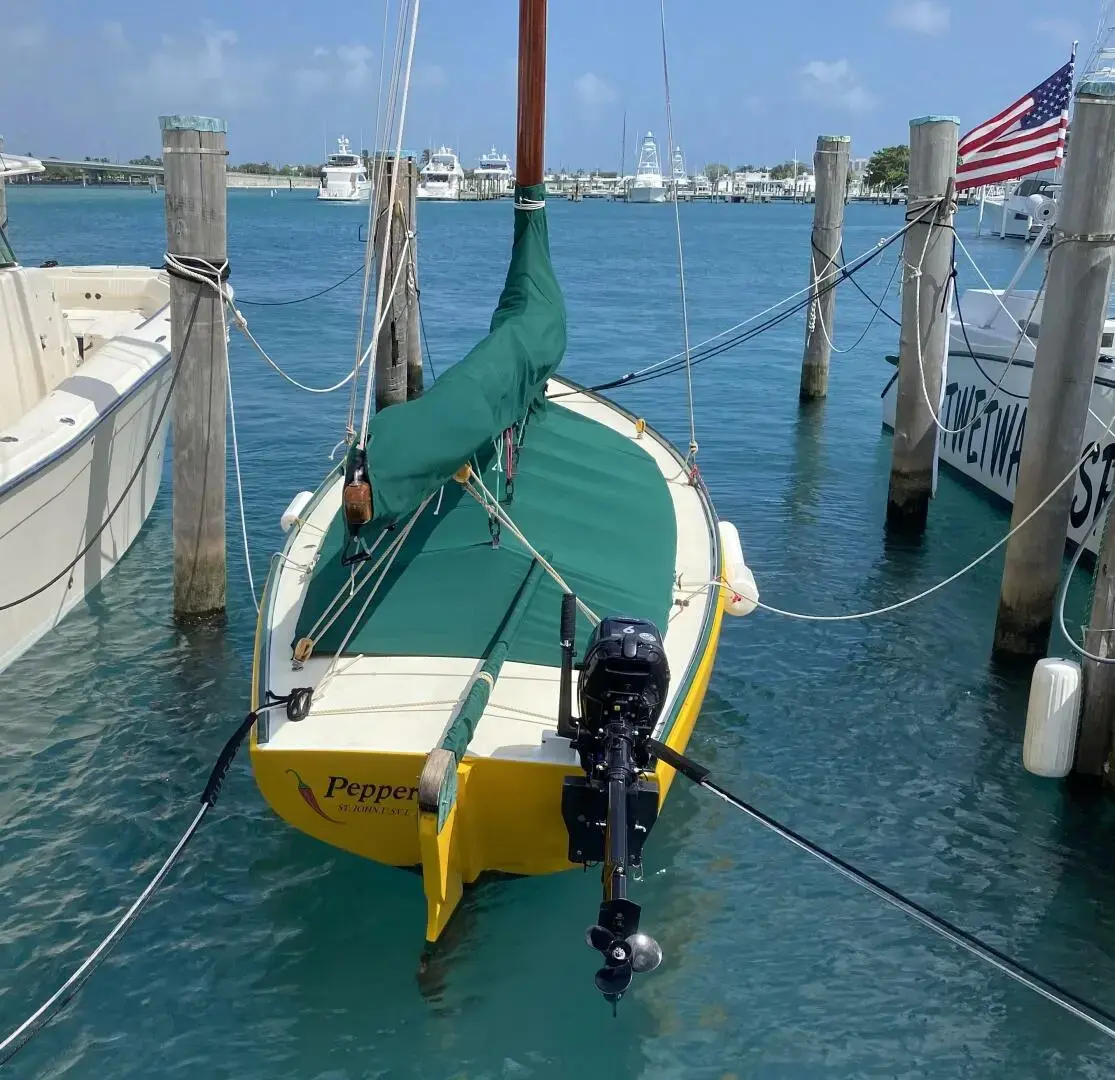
column 741, row 594
column 1052, row 718
column 293, row 512
column 1042, row 208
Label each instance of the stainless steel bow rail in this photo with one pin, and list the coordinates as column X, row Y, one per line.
column 1099, row 1018
column 297, row 704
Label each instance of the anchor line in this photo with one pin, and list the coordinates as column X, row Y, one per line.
column 302, row 299
column 1085, row 1010
column 297, row 702
column 844, row 272
column 9, row 604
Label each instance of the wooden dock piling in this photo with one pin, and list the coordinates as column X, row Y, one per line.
column 830, row 164
column 1098, row 705
column 927, row 265
column 1079, row 278
column 399, row 351
column 194, row 154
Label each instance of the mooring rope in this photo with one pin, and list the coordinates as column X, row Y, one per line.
column 822, row 284
column 916, row 274
column 1092, row 1014
column 876, row 307
column 804, row 297
column 1063, row 593
column 297, row 700
column 952, row 577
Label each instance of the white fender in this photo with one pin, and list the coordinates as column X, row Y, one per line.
column 742, row 594
column 293, row 513
column 1052, row 718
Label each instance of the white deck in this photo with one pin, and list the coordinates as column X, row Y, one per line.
column 404, row 704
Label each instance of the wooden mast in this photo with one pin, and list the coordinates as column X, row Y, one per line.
column 529, row 151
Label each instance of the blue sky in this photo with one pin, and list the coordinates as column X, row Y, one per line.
column 751, row 82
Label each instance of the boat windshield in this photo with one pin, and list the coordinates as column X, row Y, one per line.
column 343, row 159
column 7, row 256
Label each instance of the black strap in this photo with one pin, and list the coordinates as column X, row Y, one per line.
column 199, row 265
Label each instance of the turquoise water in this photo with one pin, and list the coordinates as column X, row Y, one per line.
column 892, row 741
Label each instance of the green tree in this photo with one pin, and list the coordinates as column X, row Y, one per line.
column 888, row 168
column 748, row 168
column 146, row 160
column 785, row 171
column 715, row 171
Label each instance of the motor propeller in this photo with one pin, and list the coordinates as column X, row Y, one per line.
column 626, row 953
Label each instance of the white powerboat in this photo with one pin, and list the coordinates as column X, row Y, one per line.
column 647, row 186
column 344, row 176
column 990, row 403
column 681, row 184
column 85, row 372
column 441, row 177
column 1021, row 212
column 494, row 174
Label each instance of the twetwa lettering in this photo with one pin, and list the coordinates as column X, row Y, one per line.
column 1003, row 427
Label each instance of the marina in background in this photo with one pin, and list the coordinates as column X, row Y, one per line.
column 976, row 370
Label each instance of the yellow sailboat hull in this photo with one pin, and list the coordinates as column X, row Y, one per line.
column 506, row 816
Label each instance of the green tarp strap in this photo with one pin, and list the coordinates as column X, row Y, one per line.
column 463, row 728
column 415, row 447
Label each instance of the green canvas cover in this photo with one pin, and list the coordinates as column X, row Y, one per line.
column 590, row 497
column 415, row 447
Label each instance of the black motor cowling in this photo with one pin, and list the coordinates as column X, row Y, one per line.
column 624, row 670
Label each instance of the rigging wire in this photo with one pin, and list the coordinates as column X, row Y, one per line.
column 1090, row 1013
column 392, row 195
column 840, row 273
column 868, row 297
column 691, row 456
column 303, row 299
column 385, row 111
column 804, row 297
column 422, row 329
column 877, row 307
column 9, row 604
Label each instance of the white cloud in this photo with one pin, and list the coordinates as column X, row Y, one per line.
column 112, row 34
column 349, row 66
column 833, row 82
column 356, row 65
column 200, row 73
column 592, row 91
column 920, row 16
column 1060, row 29
column 24, row 38
column 431, row 76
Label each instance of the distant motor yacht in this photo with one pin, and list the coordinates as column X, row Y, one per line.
column 648, row 186
column 441, row 176
column 344, row 177
column 494, row 173
column 681, row 185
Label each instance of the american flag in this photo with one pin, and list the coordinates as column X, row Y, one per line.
column 1027, row 137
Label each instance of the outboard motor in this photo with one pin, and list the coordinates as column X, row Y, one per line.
column 621, row 691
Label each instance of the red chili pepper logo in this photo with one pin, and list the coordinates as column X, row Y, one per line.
column 310, row 799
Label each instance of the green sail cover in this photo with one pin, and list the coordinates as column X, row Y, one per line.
column 416, row 447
